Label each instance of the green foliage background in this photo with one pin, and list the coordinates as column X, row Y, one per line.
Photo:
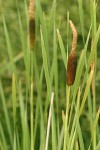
column 11, row 16
column 10, row 13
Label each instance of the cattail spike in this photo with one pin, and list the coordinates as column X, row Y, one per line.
column 74, row 43
column 31, row 24
column 71, row 69
column 31, row 9
column 72, row 59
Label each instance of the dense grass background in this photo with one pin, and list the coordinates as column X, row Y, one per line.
column 9, row 10
column 17, row 84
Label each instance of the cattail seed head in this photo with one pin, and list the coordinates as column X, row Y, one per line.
column 32, row 33
column 72, row 59
column 71, row 69
column 31, row 24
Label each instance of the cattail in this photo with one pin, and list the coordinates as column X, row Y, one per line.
column 72, row 59
column 31, row 24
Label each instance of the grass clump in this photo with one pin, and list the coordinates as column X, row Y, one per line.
column 38, row 109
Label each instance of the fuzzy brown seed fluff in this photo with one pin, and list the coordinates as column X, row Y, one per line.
column 74, row 42
column 31, row 24
column 71, row 69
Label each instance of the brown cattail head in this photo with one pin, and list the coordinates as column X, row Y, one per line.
column 31, row 24
column 72, row 59
column 71, row 69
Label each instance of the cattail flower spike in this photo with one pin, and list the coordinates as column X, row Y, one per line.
column 72, row 59
column 31, row 24
column 31, row 9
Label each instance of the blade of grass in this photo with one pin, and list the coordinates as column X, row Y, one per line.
column 7, row 65
column 23, row 45
column 14, row 98
column 81, row 18
column 45, row 64
column 31, row 116
column 60, row 142
column 39, row 89
column 94, row 30
column 17, row 139
column 56, row 75
column 52, row 18
column 75, row 121
column 86, row 92
column 98, row 146
column 91, row 55
column 2, row 135
column 54, row 135
column 9, row 47
column 14, row 146
column 73, row 140
column 23, row 113
column 90, row 112
column 49, row 121
column 26, row 12
column 44, row 28
column 7, row 119
column 66, row 140
column 63, row 52
column 82, row 144
column 32, row 100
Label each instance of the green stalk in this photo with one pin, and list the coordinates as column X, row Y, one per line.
column 66, row 120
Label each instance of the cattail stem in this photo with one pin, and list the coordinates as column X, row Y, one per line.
column 66, row 119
